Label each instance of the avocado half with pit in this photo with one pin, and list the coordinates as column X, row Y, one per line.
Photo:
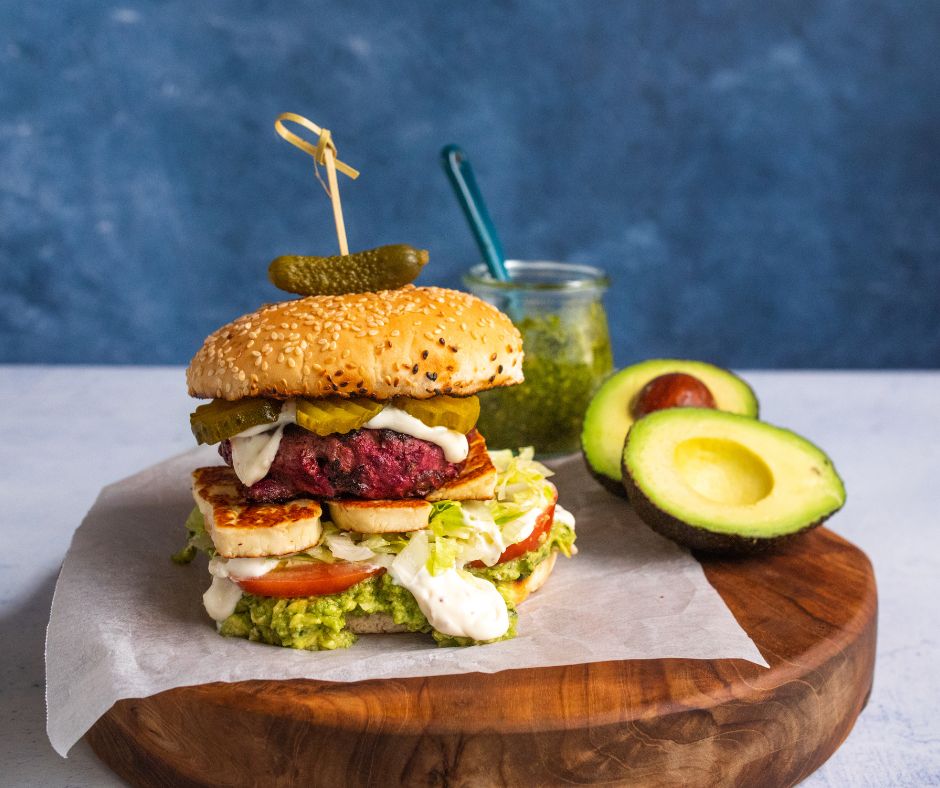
column 610, row 413
column 726, row 483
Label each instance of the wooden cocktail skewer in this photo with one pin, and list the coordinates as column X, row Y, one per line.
column 324, row 152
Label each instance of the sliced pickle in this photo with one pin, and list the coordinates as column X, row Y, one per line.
column 328, row 416
column 384, row 268
column 455, row 413
column 220, row 419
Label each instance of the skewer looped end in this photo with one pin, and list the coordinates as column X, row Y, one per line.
column 324, row 141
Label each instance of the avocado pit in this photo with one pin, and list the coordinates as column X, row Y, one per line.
column 672, row 390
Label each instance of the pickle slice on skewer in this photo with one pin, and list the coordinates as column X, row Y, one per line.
column 328, row 416
column 220, row 419
column 455, row 413
column 384, row 268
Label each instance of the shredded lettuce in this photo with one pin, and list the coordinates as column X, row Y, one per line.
column 449, row 532
column 521, row 487
column 198, row 539
column 379, row 544
column 338, row 545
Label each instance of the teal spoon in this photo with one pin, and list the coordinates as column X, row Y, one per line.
column 460, row 174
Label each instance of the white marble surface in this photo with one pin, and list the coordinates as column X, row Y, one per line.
column 69, row 430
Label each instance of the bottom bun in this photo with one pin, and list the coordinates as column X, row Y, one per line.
column 383, row 624
column 374, row 624
column 521, row 589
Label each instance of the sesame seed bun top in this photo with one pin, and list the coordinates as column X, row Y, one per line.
column 413, row 342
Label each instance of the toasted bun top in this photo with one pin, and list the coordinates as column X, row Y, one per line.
column 413, row 342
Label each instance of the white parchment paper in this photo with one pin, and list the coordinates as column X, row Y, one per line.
column 126, row 622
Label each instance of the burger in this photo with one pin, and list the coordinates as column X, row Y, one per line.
column 356, row 495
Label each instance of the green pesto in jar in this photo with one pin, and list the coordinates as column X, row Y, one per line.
column 567, row 355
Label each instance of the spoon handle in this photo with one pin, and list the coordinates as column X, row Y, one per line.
column 460, row 173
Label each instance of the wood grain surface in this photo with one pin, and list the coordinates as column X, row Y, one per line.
column 811, row 609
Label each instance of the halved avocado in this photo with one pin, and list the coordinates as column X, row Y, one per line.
column 722, row 482
column 609, row 416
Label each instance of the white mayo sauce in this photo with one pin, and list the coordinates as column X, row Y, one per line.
column 222, row 596
column 459, row 604
column 565, row 517
column 453, row 443
column 454, row 602
column 254, row 450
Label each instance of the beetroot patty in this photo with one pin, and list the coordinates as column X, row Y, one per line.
column 370, row 464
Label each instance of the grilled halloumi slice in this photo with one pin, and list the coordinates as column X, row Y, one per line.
column 240, row 528
column 380, row 517
column 477, row 480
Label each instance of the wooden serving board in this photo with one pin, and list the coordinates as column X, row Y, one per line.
column 811, row 609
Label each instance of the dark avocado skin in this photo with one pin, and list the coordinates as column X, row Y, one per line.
column 699, row 538
column 614, row 486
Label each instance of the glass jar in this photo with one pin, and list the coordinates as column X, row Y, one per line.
column 557, row 307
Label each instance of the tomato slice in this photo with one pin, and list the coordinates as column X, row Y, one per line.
column 311, row 578
column 532, row 542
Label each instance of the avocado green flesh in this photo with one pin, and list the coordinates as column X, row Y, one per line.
column 728, row 475
column 319, row 622
column 608, row 417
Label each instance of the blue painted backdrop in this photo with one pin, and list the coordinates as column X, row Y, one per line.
column 761, row 180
